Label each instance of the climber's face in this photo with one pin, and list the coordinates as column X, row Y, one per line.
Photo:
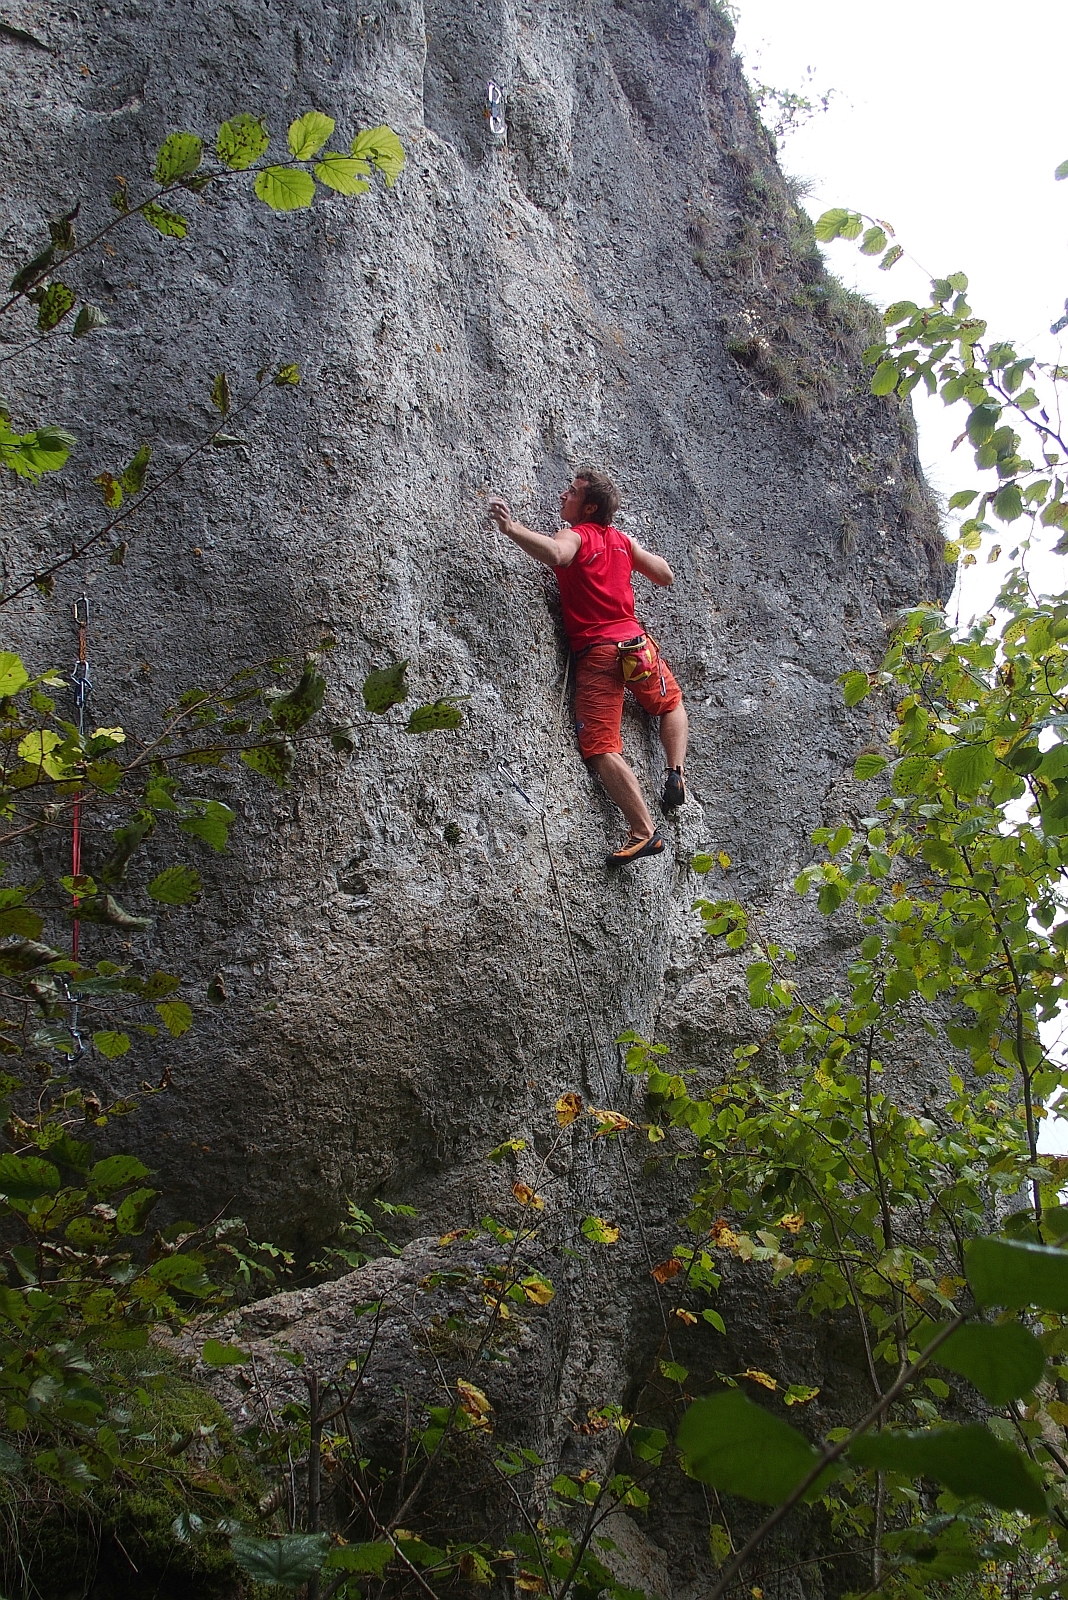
column 573, row 501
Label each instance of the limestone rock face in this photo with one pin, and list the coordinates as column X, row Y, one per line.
column 623, row 280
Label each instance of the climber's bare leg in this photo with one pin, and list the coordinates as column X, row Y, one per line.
column 622, row 786
column 674, row 730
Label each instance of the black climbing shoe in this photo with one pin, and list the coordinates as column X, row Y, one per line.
column 674, row 789
column 634, row 849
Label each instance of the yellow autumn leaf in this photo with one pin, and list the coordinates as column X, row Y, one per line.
column 526, row 1196
column 474, row 1403
column 1058, row 1411
column 664, row 1271
column 609, row 1121
column 568, row 1108
column 763, row 1378
column 723, row 858
column 723, row 1235
column 793, row 1222
column 538, row 1290
column 529, row 1582
column 685, row 1316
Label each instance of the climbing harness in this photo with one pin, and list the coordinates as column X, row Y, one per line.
column 82, row 684
column 494, row 112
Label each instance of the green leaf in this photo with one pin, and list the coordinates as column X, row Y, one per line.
column 855, row 686
column 1008, row 503
column 133, row 1213
column 272, row 759
column 242, row 141
column 383, row 149
column 1004, row 1361
column 13, row 675
column 598, row 1231
column 133, row 478
column 285, row 188
column 175, row 886
column 869, row 765
column 385, row 688
column 290, row 1560
column 11, row 1462
column 220, row 394
column 27, row 1177
column 31, row 454
column 830, row 224
column 176, row 1017
column 1014, row 1274
column 969, row 1461
column 891, row 258
column 21, row 921
column 874, row 241
column 287, row 376
column 170, row 223
column 373, row 1558
column 884, row 379
column 308, row 134
column 115, row 1172
column 111, row 1044
column 968, row 767
column 212, row 824
column 344, row 173
column 179, row 155
column 741, row 1449
column 88, row 318
column 54, row 304
column 33, row 269
column 216, row 1354
column 1061, row 171
column 444, row 713
column 293, row 710
column 963, row 497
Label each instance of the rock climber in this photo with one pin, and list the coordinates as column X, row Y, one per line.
column 593, row 562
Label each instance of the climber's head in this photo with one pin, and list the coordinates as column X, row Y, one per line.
column 592, row 497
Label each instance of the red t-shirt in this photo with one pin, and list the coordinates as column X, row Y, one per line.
column 596, row 596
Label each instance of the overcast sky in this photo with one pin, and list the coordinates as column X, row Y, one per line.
column 947, row 121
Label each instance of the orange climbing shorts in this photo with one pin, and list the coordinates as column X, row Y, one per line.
column 599, row 686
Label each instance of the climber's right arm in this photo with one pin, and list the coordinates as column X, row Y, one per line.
column 558, row 552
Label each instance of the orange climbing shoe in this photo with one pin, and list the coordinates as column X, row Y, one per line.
column 634, row 849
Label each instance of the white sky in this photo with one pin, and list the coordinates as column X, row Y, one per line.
column 947, row 121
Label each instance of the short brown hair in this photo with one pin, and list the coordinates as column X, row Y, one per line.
column 602, row 496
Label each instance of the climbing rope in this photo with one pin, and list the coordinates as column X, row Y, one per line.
column 82, row 684
column 581, row 986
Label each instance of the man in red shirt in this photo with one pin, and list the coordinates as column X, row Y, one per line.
column 593, row 562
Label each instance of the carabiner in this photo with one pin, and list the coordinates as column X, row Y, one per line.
column 494, row 112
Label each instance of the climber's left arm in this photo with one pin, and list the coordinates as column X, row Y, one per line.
column 652, row 565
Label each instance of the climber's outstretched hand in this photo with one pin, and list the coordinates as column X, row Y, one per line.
column 501, row 512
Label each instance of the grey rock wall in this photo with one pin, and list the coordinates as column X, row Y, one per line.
column 624, row 281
